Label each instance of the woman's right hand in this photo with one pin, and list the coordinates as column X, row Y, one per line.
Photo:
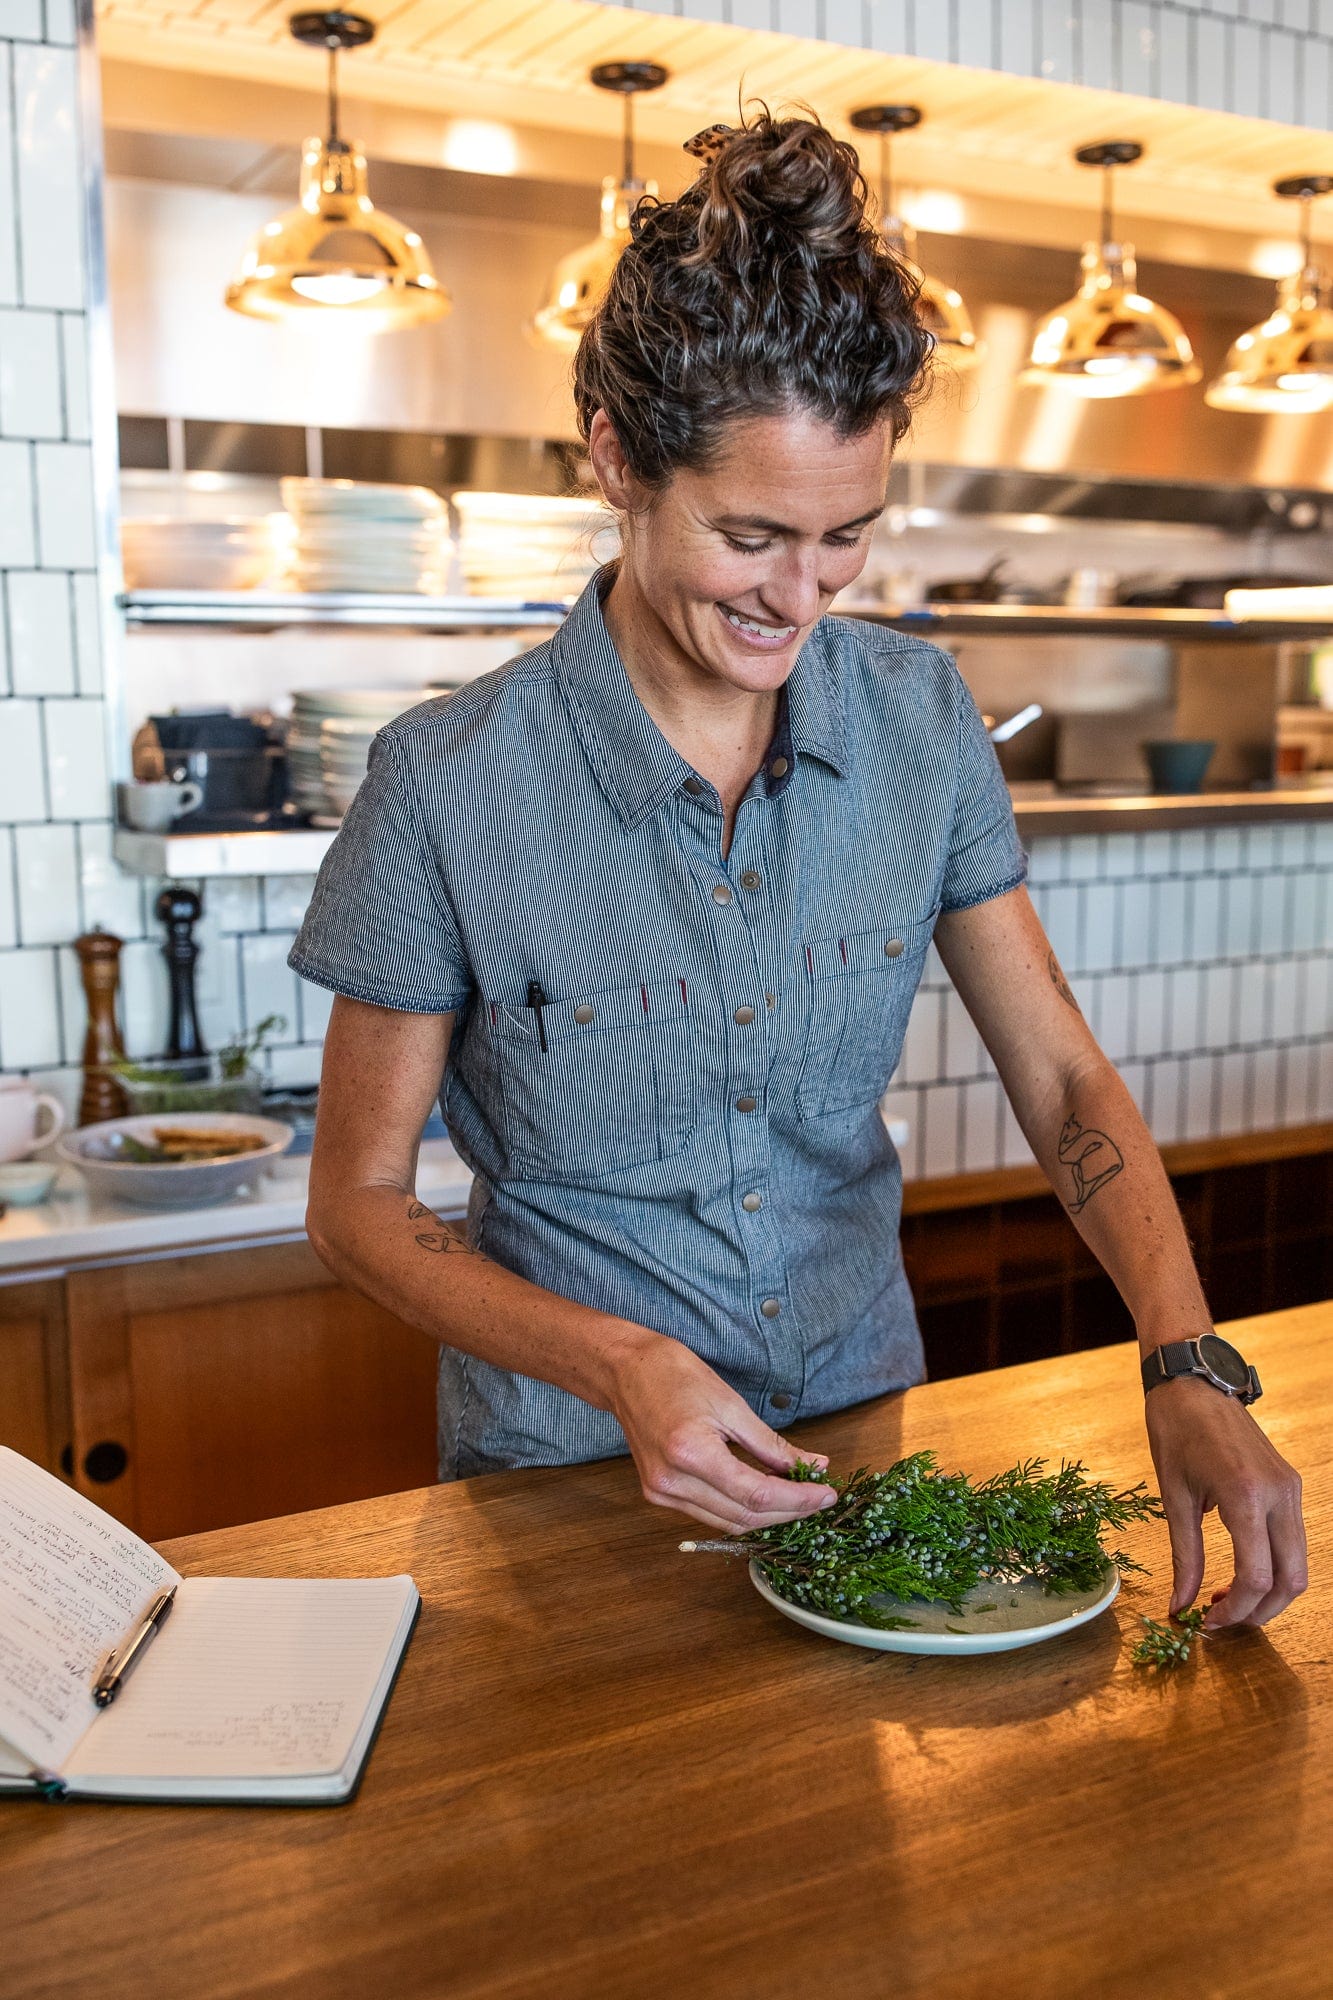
column 681, row 1419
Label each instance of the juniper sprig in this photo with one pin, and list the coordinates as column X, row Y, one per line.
column 915, row 1531
column 1169, row 1645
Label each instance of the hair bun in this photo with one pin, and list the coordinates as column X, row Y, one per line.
column 787, row 175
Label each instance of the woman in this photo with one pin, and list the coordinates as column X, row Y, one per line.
column 654, row 900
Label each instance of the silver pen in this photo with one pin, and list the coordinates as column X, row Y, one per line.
column 120, row 1659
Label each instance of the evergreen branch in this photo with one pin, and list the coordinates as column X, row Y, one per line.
column 1169, row 1645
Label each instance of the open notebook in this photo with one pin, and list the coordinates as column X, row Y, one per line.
column 262, row 1690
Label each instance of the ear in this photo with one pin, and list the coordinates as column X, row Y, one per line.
column 620, row 488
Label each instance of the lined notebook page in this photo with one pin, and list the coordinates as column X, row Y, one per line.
column 72, row 1583
column 251, row 1678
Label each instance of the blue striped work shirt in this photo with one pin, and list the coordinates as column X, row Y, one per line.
column 698, row 1146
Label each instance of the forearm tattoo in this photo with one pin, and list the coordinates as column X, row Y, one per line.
column 1060, row 983
column 1092, row 1157
column 439, row 1239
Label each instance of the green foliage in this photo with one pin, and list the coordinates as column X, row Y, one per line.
column 1169, row 1645
column 915, row 1531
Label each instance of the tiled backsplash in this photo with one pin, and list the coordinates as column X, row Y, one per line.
column 1204, row 963
column 1258, row 58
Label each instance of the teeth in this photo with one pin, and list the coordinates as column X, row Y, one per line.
column 764, row 631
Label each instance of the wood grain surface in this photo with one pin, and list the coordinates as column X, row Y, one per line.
column 609, row 1771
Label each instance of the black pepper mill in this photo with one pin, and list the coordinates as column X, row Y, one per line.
column 180, row 909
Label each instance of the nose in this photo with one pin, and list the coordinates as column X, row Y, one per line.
column 792, row 591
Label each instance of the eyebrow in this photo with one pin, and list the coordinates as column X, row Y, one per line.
column 759, row 521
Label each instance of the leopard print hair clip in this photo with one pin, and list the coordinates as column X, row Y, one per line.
column 706, row 145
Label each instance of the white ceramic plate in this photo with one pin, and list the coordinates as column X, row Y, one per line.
column 939, row 1630
column 181, row 1183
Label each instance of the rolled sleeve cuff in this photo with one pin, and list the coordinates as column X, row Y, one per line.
column 375, row 996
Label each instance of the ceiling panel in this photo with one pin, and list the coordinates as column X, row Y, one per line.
column 529, row 59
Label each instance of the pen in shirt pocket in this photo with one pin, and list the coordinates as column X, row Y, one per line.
column 537, row 1000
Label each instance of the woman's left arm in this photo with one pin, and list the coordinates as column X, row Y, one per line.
column 1086, row 1131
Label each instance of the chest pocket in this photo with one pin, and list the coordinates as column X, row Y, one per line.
column 615, row 1086
column 861, row 992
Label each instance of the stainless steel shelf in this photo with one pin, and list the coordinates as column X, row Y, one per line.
column 1108, row 621
column 270, row 610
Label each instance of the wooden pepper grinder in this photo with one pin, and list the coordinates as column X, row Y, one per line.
column 99, row 968
column 180, row 909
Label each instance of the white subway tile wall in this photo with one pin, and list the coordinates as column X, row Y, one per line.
column 1259, row 58
column 1215, row 1027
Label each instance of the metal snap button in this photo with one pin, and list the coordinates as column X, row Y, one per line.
column 752, row 1203
column 750, row 879
column 722, row 894
column 894, row 948
column 747, row 1103
column 771, row 1308
column 779, row 1401
column 694, row 786
column 583, row 1015
column 743, row 1016
column 778, row 769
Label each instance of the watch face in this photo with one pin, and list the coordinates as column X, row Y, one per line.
column 1222, row 1358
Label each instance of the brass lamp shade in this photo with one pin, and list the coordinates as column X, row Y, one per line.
column 1285, row 365
column 940, row 308
column 337, row 250
column 579, row 281
column 1108, row 340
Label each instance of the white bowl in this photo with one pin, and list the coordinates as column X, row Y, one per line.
column 23, row 1183
column 179, row 1183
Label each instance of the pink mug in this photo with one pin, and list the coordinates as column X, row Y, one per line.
column 19, row 1108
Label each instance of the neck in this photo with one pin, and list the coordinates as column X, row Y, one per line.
column 721, row 730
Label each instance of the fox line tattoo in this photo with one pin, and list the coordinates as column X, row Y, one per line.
column 1093, row 1158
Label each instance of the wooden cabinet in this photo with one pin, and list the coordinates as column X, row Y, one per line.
column 211, row 1389
column 33, row 1382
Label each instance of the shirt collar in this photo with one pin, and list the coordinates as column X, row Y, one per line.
column 635, row 765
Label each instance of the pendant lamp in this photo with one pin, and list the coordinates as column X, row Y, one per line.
column 337, row 252
column 942, row 311
column 1286, row 364
column 579, row 281
column 1108, row 340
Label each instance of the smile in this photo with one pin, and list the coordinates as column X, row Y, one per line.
column 755, row 632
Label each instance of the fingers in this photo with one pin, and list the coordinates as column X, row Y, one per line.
column 1185, row 1523
column 771, row 1449
column 700, row 1476
column 1246, row 1521
column 1291, row 1574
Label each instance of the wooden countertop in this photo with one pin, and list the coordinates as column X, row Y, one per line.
column 609, row 1772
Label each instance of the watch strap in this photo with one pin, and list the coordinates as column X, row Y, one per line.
column 1173, row 1358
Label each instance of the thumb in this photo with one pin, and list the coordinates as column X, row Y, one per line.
column 1185, row 1521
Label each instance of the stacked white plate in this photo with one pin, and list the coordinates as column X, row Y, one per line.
column 350, row 534
column 359, row 714
column 161, row 552
column 528, row 545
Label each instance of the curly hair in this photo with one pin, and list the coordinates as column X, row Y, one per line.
column 765, row 287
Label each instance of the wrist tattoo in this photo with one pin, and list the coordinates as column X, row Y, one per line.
column 1060, row 983
column 1093, row 1158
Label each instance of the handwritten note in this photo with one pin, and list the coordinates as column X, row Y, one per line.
column 255, row 1678
column 72, row 1583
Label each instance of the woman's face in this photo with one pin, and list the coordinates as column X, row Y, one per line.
column 738, row 561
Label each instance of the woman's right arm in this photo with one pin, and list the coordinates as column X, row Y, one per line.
column 382, row 1071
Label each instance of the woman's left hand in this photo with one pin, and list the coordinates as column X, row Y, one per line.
column 1209, row 1452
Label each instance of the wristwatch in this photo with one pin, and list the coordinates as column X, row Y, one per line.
column 1210, row 1357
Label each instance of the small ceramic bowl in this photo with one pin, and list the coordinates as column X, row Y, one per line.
column 24, row 1183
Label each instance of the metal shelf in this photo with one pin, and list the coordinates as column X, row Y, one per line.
column 1104, row 621
column 270, row 610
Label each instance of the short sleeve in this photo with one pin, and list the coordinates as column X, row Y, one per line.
column 379, row 927
column 986, row 857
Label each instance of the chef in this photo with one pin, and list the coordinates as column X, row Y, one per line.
column 647, row 910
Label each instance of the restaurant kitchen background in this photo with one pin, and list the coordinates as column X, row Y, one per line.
column 1200, row 948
